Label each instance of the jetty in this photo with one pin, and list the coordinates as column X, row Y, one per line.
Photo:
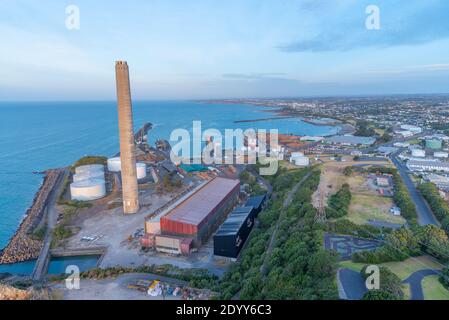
column 40, row 268
column 24, row 245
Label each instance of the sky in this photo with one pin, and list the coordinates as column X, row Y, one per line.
column 223, row 49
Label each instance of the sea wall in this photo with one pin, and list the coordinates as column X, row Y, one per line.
column 22, row 246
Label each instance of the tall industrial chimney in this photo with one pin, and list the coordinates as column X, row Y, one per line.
column 127, row 148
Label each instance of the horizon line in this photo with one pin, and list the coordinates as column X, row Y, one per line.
column 237, row 98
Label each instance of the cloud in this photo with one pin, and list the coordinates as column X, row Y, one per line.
column 411, row 23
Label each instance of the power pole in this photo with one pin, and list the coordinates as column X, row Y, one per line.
column 321, row 212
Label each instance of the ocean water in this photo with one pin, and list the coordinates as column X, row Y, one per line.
column 35, row 136
column 57, row 265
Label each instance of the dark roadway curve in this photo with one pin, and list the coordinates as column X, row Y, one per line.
column 415, row 281
column 425, row 214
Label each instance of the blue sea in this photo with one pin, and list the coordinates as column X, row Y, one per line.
column 35, row 136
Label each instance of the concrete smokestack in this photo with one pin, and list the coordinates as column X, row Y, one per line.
column 127, row 148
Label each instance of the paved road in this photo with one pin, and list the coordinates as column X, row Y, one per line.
column 425, row 214
column 350, row 284
column 52, row 217
column 415, row 281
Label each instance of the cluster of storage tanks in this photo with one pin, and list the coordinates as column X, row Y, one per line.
column 115, row 165
column 88, row 183
column 89, row 180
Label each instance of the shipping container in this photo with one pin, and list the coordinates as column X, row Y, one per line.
column 233, row 233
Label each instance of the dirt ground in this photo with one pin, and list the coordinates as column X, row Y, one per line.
column 120, row 235
column 108, row 289
column 114, row 228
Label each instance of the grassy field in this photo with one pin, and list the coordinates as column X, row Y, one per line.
column 351, row 265
column 364, row 208
column 407, row 267
column 406, row 290
column 433, row 289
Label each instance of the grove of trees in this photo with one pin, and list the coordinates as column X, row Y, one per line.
column 439, row 207
column 338, row 203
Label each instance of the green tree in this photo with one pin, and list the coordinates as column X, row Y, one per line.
column 379, row 295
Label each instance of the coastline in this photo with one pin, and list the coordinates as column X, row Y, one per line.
column 281, row 113
column 22, row 247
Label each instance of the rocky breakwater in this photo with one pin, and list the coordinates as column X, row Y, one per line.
column 23, row 246
column 10, row 293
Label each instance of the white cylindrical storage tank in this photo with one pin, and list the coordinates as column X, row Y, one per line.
column 89, row 168
column 114, row 164
column 418, row 153
column 141, row 170
column 88, row 190
column 88, row 176
column 295, row 155
column 301, row 161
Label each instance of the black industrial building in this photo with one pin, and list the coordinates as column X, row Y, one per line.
column 258, row 202
column 230, row 238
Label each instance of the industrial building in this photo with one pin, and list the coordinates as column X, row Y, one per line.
column 258, row 202
column 383, row 181
column 411, row 128
column 230, row 238
column 442, row 182
column 387, row 150
column 440, row 154
column 427, row 165
column 405, row 133
column 434, row 144
column 311, row 138
column 351, row 140
column 167, row 244
column 419, row 153
column 198, row 215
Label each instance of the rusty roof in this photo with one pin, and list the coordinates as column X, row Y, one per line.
column 198, row 206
